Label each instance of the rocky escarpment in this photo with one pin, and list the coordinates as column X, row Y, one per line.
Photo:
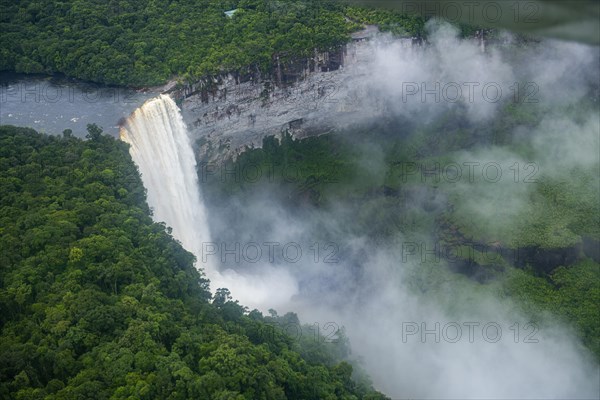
column 229, row 114
column 324, row 93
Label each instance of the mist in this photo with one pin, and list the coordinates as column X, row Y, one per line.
column 418, row 329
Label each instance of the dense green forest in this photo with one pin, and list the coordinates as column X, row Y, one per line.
column 100, row 302
column 141, row 43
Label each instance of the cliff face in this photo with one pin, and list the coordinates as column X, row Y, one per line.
column 235, row 113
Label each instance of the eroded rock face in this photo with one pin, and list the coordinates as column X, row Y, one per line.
column 233, row 116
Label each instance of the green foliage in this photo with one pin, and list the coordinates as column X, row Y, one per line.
column 572, row 293
column 100, row 302
column 141, row 43
column 302, row 169
column 388, row 21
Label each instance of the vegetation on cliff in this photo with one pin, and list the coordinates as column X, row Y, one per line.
column 141, row 43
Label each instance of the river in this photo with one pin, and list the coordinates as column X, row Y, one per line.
column 51, row 104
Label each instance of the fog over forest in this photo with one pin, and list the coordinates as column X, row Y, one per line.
column 382, row 292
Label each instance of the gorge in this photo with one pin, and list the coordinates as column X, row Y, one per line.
column 392, row 304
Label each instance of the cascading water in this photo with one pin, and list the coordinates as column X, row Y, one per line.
column 162, row 150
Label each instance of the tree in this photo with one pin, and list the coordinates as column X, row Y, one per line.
column 94, row 132
column 222, row 296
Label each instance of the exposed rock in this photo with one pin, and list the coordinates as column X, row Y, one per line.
column 243, row 110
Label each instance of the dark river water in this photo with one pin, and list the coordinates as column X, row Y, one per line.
column 52, row 104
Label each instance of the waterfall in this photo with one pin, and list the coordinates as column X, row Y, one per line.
column 162, row 150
